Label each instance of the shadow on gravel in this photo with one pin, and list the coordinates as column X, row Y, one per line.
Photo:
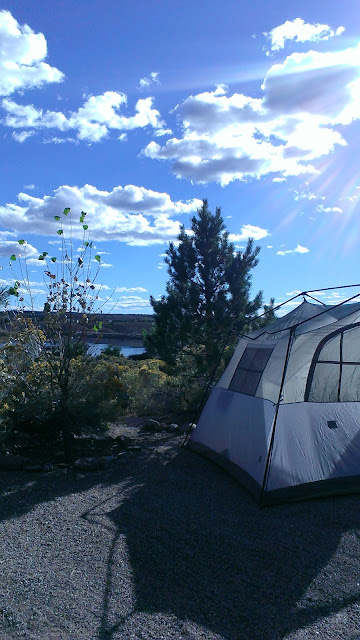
column 27, row 490
column 201, row 550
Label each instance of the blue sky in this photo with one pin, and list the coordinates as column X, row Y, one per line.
column 136, row 111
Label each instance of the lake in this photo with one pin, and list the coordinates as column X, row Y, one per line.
column 96, row 348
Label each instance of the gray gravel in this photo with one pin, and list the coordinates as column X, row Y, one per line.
column 168, row 546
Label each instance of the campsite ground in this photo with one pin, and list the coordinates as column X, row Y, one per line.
column 164, row 545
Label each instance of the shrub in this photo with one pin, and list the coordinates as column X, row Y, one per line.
column 49, row 388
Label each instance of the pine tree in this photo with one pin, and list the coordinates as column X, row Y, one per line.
column 207, row 295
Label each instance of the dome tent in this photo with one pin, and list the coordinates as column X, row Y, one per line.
column 285, row 416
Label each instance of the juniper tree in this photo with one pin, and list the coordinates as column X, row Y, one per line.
column 208, row 292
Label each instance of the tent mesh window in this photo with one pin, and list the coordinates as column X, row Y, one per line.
column 334, row 374
column 249, row 370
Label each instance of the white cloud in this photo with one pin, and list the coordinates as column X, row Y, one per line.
column 56, row 140
column 300, row 31
column 22, row 55
column 130, row 289
column 298, row 249
column 235, row 137
column 130, row 214
column 249, row 231
column 279, row 179
column 21, row 136
column 9, row 247
column 29, row 187
column 92, row 122
column 147, row 81
column 129, row 303
column 323, row 209
column 306, row 195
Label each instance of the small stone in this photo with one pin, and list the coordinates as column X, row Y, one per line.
column 34, row 468
column 151, row 425
column 86, row 464
column 13, row 463
column 187, row 427
column 104, row 461
column 173, row 427
column 122, row 441
column 122, row 457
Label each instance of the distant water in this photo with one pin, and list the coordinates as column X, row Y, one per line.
column 97, row 348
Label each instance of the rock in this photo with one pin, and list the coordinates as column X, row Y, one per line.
column 13, row 463
column 87, row 464
column 34, row 468
column 122, row 457
column 150, row 425
column 62, row 465
column 47, row 467
column 122, row 441
column 188, row 427
column 134, row 447
column 173, row 427
column 104, row 461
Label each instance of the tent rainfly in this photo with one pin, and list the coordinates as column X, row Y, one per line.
column 284, row 418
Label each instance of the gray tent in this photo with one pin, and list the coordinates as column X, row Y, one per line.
column 285, row 416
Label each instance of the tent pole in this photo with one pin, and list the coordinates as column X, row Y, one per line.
column 269, row 455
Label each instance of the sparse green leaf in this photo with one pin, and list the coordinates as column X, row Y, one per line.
column 21, row 241
column 85, row 227
column 45, row 253
column 53, row 259
column 60, row 232
column 97, row 326
column 97, row 257
column 41, row 257
column 66, row 211
column 13, row 257
column 57, row 218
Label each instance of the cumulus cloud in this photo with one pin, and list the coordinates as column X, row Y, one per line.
column 10, row 247
column 235, row 137
column 249, row 231
column 131, row 214
column 92, row 122
column 22, row 55
column 298, row 249
column 300, row 31
column 147, row 81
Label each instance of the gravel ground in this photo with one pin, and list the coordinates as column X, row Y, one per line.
column 168, row 546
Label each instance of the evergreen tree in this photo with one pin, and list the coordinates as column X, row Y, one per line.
column 207, row 295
